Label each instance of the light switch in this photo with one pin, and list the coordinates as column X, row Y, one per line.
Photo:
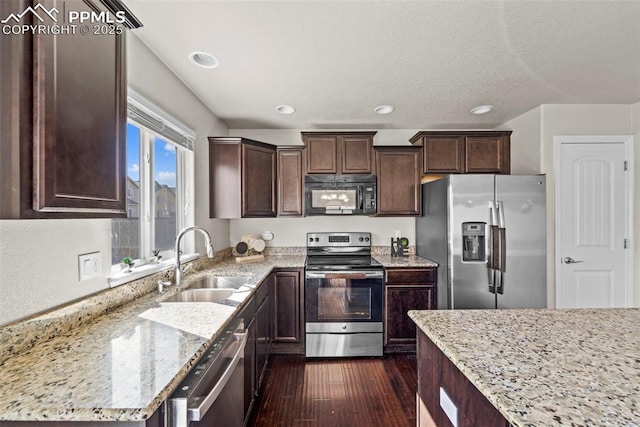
column 89, row 266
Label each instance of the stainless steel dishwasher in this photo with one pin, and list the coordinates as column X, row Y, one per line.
column 212, row 393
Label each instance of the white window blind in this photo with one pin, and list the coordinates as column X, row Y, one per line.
column 149, row 115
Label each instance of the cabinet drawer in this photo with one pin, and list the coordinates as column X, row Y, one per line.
column 410, row 276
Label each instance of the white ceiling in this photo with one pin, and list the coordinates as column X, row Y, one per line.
column 334, row 61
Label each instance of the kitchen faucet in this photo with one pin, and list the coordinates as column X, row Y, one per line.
column 208, row 245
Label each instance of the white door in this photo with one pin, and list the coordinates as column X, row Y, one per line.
column 593, row 202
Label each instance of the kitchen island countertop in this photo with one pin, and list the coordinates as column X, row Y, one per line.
column 546, row 367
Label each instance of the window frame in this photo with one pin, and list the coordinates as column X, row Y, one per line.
column 146, row 116
column 148, row 198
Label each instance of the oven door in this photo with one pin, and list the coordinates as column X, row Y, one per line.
column 343, row 313
column 343, row 296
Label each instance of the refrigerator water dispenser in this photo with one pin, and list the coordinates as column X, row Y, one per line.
column 473, row 241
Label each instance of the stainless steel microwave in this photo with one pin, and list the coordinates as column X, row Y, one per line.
column 340, row 194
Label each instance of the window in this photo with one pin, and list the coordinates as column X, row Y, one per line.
column 159, row 166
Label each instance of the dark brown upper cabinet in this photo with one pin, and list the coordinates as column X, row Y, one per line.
column 465, row 152
column 64, row 103
column 339, row 153
column 290, row 181
column 242, row 178
column 398, row 170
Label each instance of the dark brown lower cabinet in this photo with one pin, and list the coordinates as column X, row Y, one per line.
column 406, row 289
column 263, row 328
column 288, row 312
column 437, row 375
column 248, row 316
column 258, row 323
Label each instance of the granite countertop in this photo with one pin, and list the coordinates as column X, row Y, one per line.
column 80, row 364
column 122, row 365
column 408, row 261
column 576, row 367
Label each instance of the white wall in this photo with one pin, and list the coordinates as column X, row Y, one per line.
column 547, row 121
column 39, row 258
column 573, row 120
column 635, row 118
column 525, row 142
column 152, row 79
column 39, row 263
column 292, row 231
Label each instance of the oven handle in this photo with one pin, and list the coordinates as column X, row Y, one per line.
column 353, row 274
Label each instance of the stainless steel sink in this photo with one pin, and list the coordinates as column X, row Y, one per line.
column 201, row 295
column 220, row 282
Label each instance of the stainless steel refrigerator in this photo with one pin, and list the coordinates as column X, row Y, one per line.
column 488, row 235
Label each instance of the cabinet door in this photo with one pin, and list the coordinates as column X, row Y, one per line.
column 290, row 182
column 487, row 154
column 399, row 328
column 258, row 183
column 225, row 180
column 398, row 172
column 263, row 339
column 288, row 314
column 75, row 95
column 322, row 154
column 443, row 154
column 355, row 154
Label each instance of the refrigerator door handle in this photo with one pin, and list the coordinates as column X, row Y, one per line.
column 501, row 270
column 493, row 213
column 501, row 222
column 502, row 236
column 503, row 249
column 494, row 256
column 493, row 251
column 492, row 280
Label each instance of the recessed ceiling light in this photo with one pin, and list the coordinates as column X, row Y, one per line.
column 383, row 109
column 285, row 109
column 203, row 59
column 482, row 109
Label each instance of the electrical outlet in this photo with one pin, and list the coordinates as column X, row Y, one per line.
column 89, row 266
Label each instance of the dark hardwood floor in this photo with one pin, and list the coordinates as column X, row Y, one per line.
column 338, row 392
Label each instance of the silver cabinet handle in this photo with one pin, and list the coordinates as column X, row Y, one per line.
column 569, row 260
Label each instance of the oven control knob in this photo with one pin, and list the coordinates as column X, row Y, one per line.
column 366, row 239
column 361, row 239
column 344, row 327
column 317, row 239
column 311, row 239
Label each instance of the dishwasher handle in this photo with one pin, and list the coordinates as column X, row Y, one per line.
column 198, row 412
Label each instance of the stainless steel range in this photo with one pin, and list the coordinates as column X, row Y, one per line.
column 343, row 291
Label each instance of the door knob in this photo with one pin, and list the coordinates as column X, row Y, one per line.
column 569, row 260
